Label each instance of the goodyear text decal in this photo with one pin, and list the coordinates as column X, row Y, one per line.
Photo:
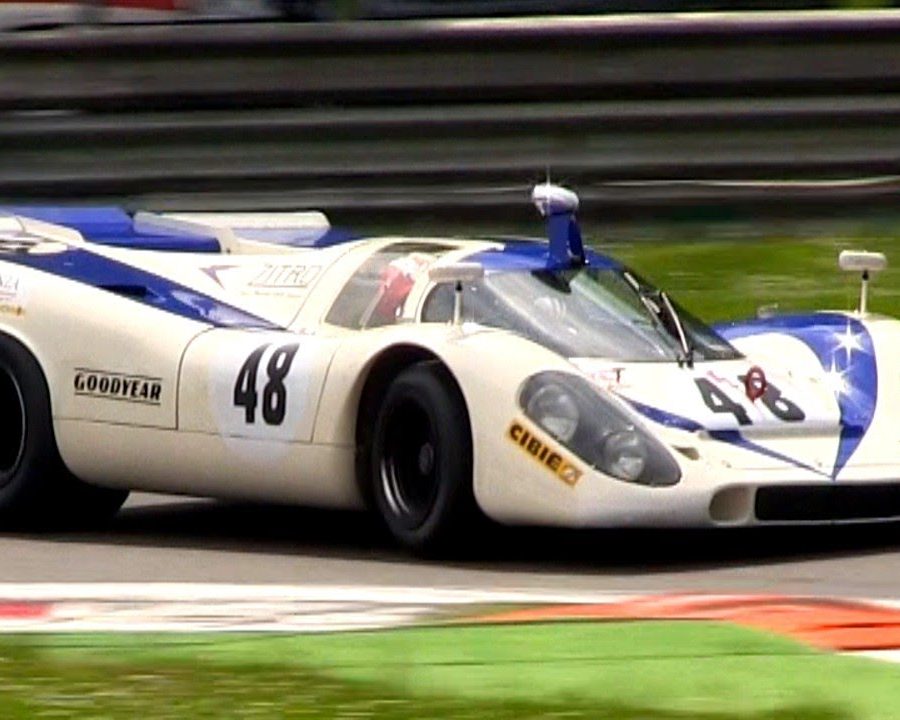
column 117, row 386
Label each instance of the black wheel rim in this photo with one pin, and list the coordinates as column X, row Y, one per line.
column 12, row 435
column 409, row 464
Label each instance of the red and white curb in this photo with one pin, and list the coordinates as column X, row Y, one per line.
column 163, row 607
column 853, row 626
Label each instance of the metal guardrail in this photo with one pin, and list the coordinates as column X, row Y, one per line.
column 790, row 112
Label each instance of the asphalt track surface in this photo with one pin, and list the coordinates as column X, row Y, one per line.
column 164, row 539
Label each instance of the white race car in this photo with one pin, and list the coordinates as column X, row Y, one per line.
column 268, row 357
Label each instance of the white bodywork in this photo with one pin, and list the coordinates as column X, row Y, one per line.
column 143, row 398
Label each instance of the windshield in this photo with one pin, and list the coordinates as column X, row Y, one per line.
column 584, row 312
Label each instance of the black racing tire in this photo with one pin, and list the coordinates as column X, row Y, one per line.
column 420, row 460
column 36, row 488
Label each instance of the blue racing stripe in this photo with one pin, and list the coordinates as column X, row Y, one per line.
column 663, row 417
column 732, row 437
column 131, row 283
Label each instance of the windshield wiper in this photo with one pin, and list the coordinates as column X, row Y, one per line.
column 655, row 303
column 686, row 347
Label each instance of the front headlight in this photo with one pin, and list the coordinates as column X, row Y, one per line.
column 554, row 409
column 574, row 412
column 625, row 454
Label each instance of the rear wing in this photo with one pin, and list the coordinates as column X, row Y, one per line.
column 241, row 232
column 18, row 232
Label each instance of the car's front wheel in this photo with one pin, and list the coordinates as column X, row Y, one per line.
column 36, row 488
column 421, row 459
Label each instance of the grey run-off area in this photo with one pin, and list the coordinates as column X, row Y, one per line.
column 164, row 539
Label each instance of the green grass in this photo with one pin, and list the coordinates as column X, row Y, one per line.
column 726, row 279
column 620, row 671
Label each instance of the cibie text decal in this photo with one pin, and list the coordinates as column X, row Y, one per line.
column 544, row 454
column 118, row 386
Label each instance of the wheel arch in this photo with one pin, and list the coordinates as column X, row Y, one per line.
column 40, row 488
column 25, row 343
column 382, row 369
column 48, row 372
column 16, row 334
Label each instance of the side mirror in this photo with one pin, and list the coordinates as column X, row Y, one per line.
column 554, row 200
column 861, row 261
column 865, row 263
column 558, row 205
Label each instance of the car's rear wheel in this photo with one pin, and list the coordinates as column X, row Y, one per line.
column 36, row 489
column 12, row 437
column 421, row 459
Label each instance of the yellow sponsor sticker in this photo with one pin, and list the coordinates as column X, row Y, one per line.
column 10, row 309
column 543, row 453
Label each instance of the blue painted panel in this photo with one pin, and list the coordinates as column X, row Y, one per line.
column 845, row 350
column 566, row 247
column 89, row 221
column 161, row 243
column 523, row 255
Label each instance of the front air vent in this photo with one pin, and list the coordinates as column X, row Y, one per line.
column 818, row 503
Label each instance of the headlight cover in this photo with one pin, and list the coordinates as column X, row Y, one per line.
column 555, row 409
column 577, row 415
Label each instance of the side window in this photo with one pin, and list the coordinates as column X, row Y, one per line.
column 438, row 305
column 376, row 293
column 480, row 305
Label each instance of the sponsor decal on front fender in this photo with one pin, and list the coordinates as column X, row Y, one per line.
column 9, row 286
column 105, row 385
column 543, row 452
column 12, row 294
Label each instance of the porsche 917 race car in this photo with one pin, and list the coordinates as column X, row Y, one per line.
column 433, row 380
